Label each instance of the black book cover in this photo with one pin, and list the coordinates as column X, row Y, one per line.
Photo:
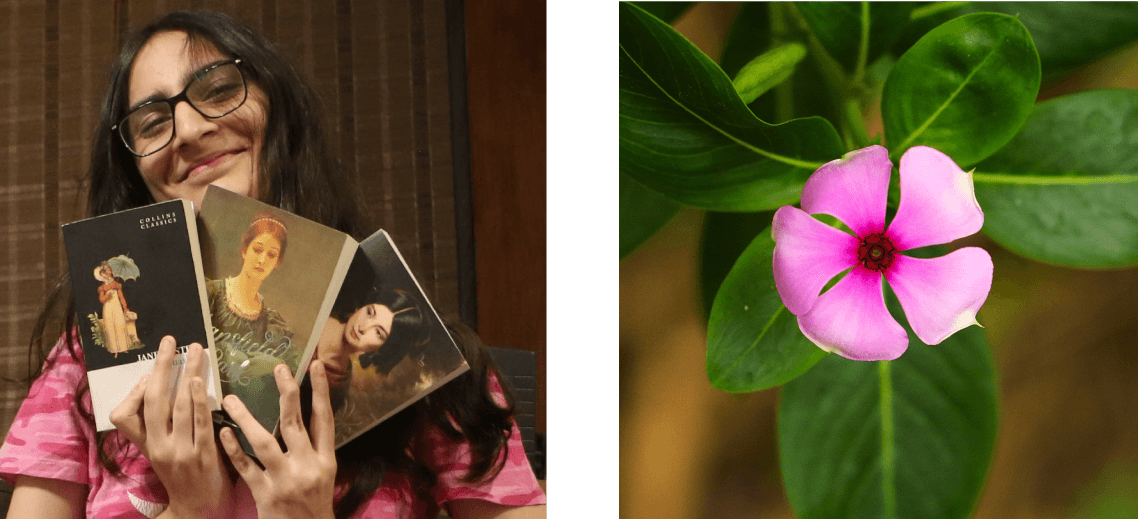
column 136, row 277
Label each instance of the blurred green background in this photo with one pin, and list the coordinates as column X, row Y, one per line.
column 1065, row 344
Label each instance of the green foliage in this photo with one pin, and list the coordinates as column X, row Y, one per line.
column 642, row 213
column 667, row 12
column 753, row 342
column 685, row 132
column 767, row 70
column 839, row 25
column 1058, row 183
column 909, row 438
column 97, row 330
column 965, row 88
column 1065, row 191
column 725, row 237
column 1071, row 34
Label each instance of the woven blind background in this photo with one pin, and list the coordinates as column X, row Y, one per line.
column 380, row 67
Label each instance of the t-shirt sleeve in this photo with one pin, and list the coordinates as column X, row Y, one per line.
column 515, row 485
column 49, row 438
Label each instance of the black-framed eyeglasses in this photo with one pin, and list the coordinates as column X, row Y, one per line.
column 214, row 92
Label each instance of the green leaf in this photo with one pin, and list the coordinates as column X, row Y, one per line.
column 685, row 133
column 667, row 12
column 725, row 237
column 965, row 88
column 753, row 342
column 838, row 26
column 909, row 438
column 642, row 213
column 1071, row 34
column 767, row 70
column 1065, row 191
column 750, row 36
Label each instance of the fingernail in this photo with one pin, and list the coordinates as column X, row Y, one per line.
column 197, row 383
column 318, row 366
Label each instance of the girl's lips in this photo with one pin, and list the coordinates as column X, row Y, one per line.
column 200, row 168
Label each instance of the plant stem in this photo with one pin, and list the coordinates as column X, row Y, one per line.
column 831, row 69
column 784, row 92
column 852, row 116
column 888, row 486
column 863, row 46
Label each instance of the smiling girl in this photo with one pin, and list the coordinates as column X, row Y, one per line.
column 198, row 99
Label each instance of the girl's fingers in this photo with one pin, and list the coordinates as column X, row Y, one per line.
column 241, row 462
column 127, row 416
column 183, row 420
column 203, row 419
column 292, row 421
column 156, row 413
column 264, row 445
column 323, row 425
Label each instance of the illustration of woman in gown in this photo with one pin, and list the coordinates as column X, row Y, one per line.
column 119, row 333
column 250, row 336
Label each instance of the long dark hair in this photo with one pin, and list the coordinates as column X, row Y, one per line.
column 409, row 331
column 298, row 173
column 466, row 399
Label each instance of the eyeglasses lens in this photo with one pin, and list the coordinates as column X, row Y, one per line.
column 214, row 94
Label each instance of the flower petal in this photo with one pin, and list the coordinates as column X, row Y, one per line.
column 938, row 201
column 941, row 295
column 851, row 320
column 807, row 254
column 853, row 188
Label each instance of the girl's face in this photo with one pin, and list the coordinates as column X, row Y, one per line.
column 260, row 256
column 223, row 151
column 368, row 328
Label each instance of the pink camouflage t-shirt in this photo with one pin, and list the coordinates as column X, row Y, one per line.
column 50, row 439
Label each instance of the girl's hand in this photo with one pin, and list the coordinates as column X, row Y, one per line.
column 298, row 483
column 178, row 439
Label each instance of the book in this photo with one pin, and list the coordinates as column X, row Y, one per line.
column 136, row 276
column 271, row 278
column 383, row 346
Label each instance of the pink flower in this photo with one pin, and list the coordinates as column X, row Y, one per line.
column 939, row 295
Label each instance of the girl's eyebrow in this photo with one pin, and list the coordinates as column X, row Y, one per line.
column 186, row 79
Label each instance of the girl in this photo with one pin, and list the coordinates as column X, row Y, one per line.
column 198, row 99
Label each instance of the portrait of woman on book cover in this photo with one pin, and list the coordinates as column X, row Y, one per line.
column 116, row 328
column 252, row 337
column 373, row 334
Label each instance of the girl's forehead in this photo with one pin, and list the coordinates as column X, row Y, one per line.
column 165, row 62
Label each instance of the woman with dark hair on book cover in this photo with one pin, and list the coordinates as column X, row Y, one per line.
column 376, row 332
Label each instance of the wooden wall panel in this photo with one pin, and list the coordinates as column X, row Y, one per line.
column 506, row 76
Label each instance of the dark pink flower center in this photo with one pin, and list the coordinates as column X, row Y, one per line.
column 875, row 252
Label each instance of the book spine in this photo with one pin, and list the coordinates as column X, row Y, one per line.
column 199, row 273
